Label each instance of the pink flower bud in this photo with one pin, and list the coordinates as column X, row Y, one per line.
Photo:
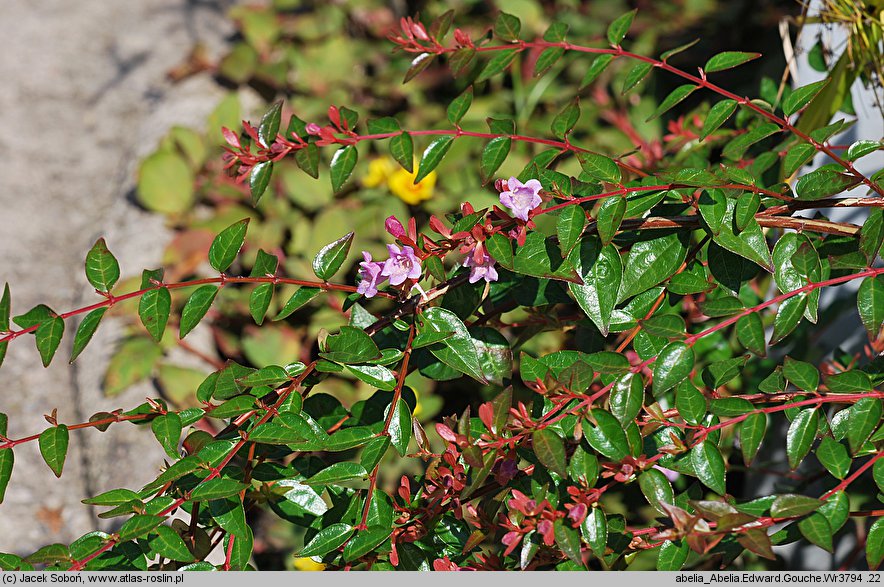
column 313, row 129
column 394, row 227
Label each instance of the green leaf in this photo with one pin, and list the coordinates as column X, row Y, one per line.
column 709, row 466
column 138, row 527
column 690, row 403
column 601, row 282
column 550, row 450
column 166, row 183
column 400, row 427
column 673, row 365
column 259, row 301
column 872, row 234
column 656, row 488
column 168, row 543
column 459, row 106
column 650, row 262
column 747, row 206
column 834, row 457
column 817, row 530
column 822, row 183
column 352, row 345
column 365, row 541
column 113, row 497
column 459, row 350
column 216, row 488
column 674, row 98
column 862, row 148
column 619, row 27
column 307, row 159
column 875, row 544
column 262, row 173
column 799, row 438
column 801, row 97
column 5, row 307
column 48, row 337
column 167, row 429
column 329, row 260
column 849, row 382
column 375, row 375
column 788, row 316
column 870, row 303
column 493, row 155
column 636, row 75
column 864, row 418
column 269, row 127
column 717, row 116
column 568, row 540
column 225, row 247
column 569, row 227
column 752, row 431
column 547, row 58
column 750, row 333
column 342, row 164
column 565, row 120
column 540, row 257
column 792, row 505
column 797, row 156
column 498, row 63
column 672, row 555
column 728, row 59
column 195, row 308
column 303, row 497
column 328, row 539
column 102, row 268
column 608, row 218
column 599, row 64
column 85, row 331
column 595, row 530
column 298, row 299
column 432, row 156
column 153, row 309
column 802, row 375
column 418, row 64
column 338, row 473
column 7, row 460
column 608, row 437
column 599, row 167
column 54, row 447
column 402, row 150
column 627, row 398
column 507, row 27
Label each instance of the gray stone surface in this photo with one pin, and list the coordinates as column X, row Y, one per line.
column 84, row 96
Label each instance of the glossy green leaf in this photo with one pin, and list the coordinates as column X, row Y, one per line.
column 627, row 398
column 497, row 64
column 802, row 375
column 752, row 431
column 864, row 418
column 636, row 75
column 432, row 156
column 656, row 488
column 168, row 543
column 598, row 65
column 788, row 316
column 402, row 150
column 797, row 157
column 48, row 337
column 608, row 218
column 569, row 227
column 565, row 120
column 54, row 447
column 619, row 27
column 550, row 450
column 216, row 488
column 601, row 282
column 298, row 299
column 102, row 268
column 167, row 430
column 875, row 544
column 595, row 530
column 650, row 262
column 862, row 148
column 690, row 403
column 365, row 541
column 225, row 247
column 848, row 382
column 540, row 257
column 673, row 365
column 822, row 183
column 400, row 427
column 195, row 308
column 870, row 303
column 351, row 345
column 717, row 116
column 341, row 167
column 138, row 527
column 834, row 457
column 817, row 530
column 599, row 167
column 85, row 331
column 328, row 539
column 709, row 466
column 750, row 333
column 457, row 351
column 674, row 98
column 801, row 97
column 153, row 309
column 493, row 155
column 799, row 438
column 728, row 60
column 269, row 127
column 307, row 159
column 261, row 173
column 459, row 106
column 507, row 27
column 338, row 473
column 259, row 301
column 375, row 375
column 607, row 437
column 330, row 258
column 673, row 555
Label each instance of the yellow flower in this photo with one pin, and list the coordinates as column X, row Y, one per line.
column 379, row 171
column 305, row 563
column 401, row 183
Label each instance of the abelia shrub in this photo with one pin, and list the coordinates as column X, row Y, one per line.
column 686, row 289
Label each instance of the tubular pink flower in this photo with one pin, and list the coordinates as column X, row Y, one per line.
column 520, row 197
column 482, row 269
column 403, row 264
column 369, row 276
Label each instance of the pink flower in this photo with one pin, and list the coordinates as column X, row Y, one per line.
column 481, row 269
column 369, row 276
column 394, row 227
column 520, row 197
column 670, row 474
column 403, row 264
